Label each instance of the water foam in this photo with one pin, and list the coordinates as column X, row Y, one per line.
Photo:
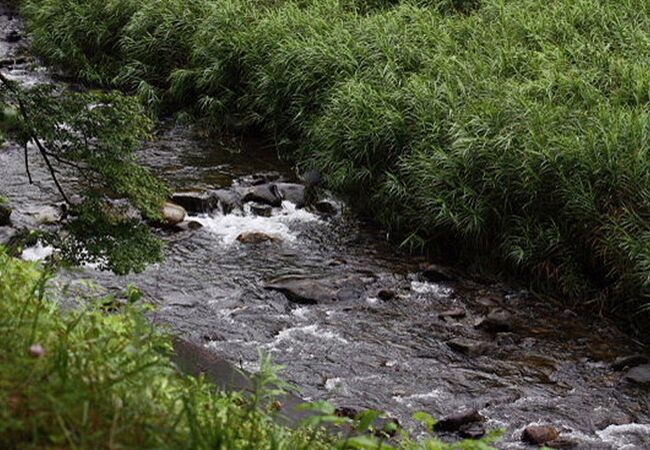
column 37, row 252
column 229, row 226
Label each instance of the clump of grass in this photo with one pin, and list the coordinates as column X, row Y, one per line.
column 516, row 130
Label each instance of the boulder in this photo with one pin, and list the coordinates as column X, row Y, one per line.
column 627, row 362
column 5, row 215
column 304, row 291
column 539, row 434
column 263, row 193
column 256, row 237
column 497, row 320
column 196, row 201
column 295, row 193
column 456, row 421
column 228, row 200
column 639, row 374
column 173, row 214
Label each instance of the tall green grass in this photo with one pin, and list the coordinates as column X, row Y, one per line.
column 512, row 129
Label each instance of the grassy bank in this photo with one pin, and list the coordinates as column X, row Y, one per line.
column 512, row 129
column 93, row 379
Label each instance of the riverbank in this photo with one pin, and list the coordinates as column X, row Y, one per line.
column 510, row 131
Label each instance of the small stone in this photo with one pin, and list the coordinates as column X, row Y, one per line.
column 194, row 225
column 497, row 320
column 456, row 421
column 261, row 210
column 173, row 214
column 454, row 313
column 37, row 351
column 539, row 434
column 627, row 362
column 256, row 237
column 639, row 374
column 386, row 294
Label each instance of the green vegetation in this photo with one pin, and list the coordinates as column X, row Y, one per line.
column 91, row 137
column 512, row 129
column 89, row 379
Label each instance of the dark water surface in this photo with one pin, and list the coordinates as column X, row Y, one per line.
column 360, row 351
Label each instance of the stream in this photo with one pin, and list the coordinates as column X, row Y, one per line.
column 354, row 319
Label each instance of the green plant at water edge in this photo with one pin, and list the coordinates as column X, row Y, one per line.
column 87, row 379
column 92, row 138
column 512, row 130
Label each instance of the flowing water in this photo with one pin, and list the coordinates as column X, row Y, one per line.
column 363, row 348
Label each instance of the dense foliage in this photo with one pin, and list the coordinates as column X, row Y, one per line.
column 91, row 139
column 515, row 129
column 89, row 379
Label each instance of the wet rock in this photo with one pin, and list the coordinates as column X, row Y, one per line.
column 472, row 431
column 196, row 201
column 468, row 347
column 227, row 199
column 5, row 215
column 304, row 291
column 386, row 294
column 454, row 313
column 256, row 237
column 261, row 210
column 295, row 193
column 456, row 421
column 326, row 207
column 345, row 411
column 627, row 362
column 436, row 274
column 263, row 193
column 173, row 214
column 639, row 374
column 539, row 434
column 497, row 320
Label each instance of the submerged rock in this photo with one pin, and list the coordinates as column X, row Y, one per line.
column 539, row 434
column 256, row 237
column 386, row 294
column 639, row 374
column 173, row 214
column 456, row 421
column 313, row 291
